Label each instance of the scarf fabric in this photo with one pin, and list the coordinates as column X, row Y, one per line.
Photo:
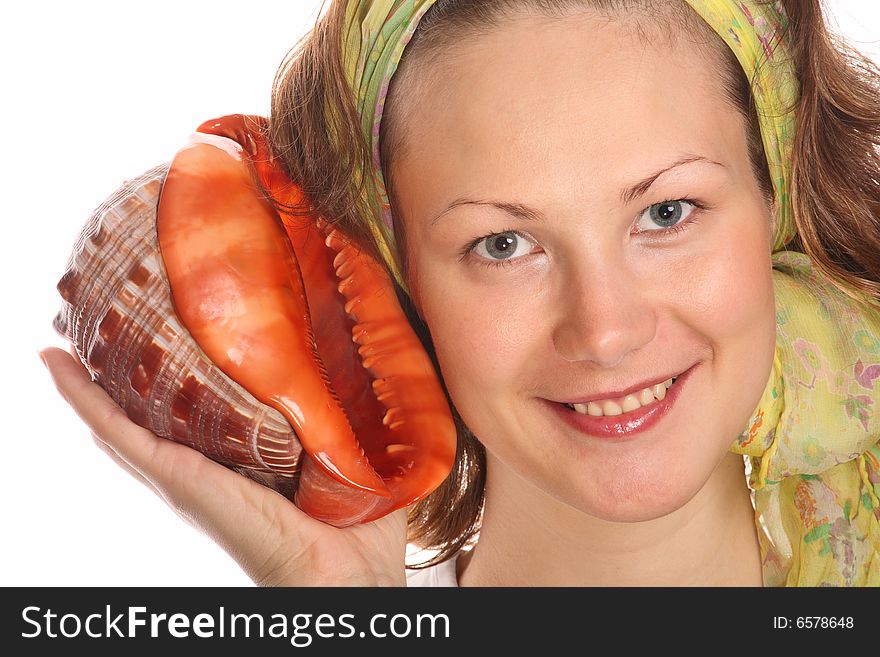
column 812, row 443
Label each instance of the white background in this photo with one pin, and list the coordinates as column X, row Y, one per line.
column 94, row 93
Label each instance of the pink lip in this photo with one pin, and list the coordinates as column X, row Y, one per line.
column 623, row 426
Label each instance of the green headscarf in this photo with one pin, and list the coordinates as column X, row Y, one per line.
column 813, row 440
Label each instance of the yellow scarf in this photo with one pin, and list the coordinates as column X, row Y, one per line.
column 813, row 440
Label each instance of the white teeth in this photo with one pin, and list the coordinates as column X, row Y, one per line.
column 628, row 404
column 611, row 408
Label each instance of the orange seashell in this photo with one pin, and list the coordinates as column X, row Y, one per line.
column 249, row 334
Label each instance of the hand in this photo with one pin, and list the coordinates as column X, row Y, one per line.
column 273, row 541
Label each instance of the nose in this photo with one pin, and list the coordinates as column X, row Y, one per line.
column 604, row 315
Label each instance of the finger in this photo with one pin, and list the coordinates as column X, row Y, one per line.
column 229, row 507
column 101, row 414
column 101, row 444
column 140, row 452
column 122, row 463
column 89, row 401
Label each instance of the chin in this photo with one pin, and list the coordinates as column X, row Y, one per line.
column 634, row 511
column 636, row 497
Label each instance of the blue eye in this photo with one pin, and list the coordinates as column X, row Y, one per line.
column 665, row 215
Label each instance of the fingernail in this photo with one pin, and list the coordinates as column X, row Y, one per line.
column 43, row 358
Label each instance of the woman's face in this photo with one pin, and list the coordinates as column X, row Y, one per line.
column 628, row 243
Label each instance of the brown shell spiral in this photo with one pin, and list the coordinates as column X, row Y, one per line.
column 117, row 311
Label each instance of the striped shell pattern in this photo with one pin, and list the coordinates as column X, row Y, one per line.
column 118, row 313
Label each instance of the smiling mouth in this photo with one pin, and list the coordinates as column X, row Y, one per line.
column 627, row 404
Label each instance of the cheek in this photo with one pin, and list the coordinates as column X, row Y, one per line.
column 729, row 288
column 483, row 345
column 738, row 285
column 477, row 345
column 731, row 305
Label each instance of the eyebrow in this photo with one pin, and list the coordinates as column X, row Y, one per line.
column 627, row 195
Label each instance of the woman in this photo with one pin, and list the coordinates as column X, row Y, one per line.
column 588, row 247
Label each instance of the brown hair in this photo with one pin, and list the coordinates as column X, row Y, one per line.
column 835, row 190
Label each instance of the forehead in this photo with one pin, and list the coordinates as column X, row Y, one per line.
column 586, row 95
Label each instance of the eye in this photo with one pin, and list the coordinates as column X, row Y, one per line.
column 665, row 215
column 500, row 247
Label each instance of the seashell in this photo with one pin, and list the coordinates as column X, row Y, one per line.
column 165, row 296
column 118, row 313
